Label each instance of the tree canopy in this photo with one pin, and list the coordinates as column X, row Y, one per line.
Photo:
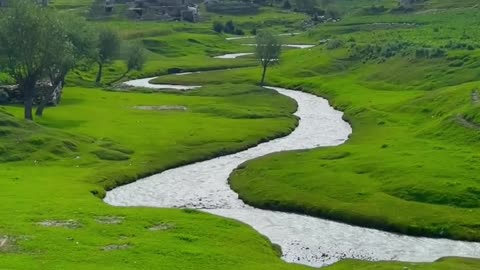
column 39, row 43
column 268, row 50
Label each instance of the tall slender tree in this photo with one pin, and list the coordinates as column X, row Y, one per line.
column 268, row 51
column 108, row 46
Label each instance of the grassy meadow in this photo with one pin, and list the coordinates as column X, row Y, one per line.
column 406, row 82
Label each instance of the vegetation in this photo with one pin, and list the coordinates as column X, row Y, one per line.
column 25, row 40
column 268, row 51
column 413, row 116
column 38, row 43
column 108, row 46
column 406, row 80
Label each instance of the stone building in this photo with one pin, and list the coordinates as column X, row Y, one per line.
column 164, row 10
column 3, row 3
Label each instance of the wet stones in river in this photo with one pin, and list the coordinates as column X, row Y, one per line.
column 295, row 251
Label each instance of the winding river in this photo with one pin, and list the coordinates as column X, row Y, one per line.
column 304, row 239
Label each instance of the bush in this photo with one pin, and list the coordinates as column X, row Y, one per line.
column 429, row 53
column 218, row 27
column 334, row 44
column 287, row 5
column 229, row 27
column 239, row 32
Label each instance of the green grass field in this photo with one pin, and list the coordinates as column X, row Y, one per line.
column 404, row 81
column 415, row 141
column 50, row 170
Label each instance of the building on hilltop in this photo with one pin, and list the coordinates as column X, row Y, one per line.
column 4, row 3
column 164, row 10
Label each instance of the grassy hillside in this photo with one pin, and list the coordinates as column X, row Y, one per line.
column 406, row 82
column 50, row 217
column 410, row 94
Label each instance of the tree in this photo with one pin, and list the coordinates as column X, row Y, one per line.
column 268, row 50
column 229, row 27
column 71, row 43
column 23, row 41
column 218, row 27
column 134, row 58
column 108, row 45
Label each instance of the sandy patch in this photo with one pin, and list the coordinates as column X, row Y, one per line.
column 4, row 241
column 161, row 108
column 110, row 220
column 294, row 46
column 162, row 227
column 7, row 243
column 116, row 247
column 70, row 224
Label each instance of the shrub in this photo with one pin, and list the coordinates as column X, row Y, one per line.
column 334, row 44
column 239, row 32
column 229, row 27
column 218, row 27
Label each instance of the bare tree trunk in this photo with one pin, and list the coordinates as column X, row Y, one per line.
column 99, row 74
column 28, row 93
column 262, row 82
column 44, row 101
column 41, row 107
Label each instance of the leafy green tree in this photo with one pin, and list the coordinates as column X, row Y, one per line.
column 24, row 40
column 108, row 46
column 268, row 50
column 72, row 42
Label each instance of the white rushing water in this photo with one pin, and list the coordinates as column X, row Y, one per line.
column 248, row 37
column 305, row 240
column 294, row 46
column 232, row 55
column 145, row 83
